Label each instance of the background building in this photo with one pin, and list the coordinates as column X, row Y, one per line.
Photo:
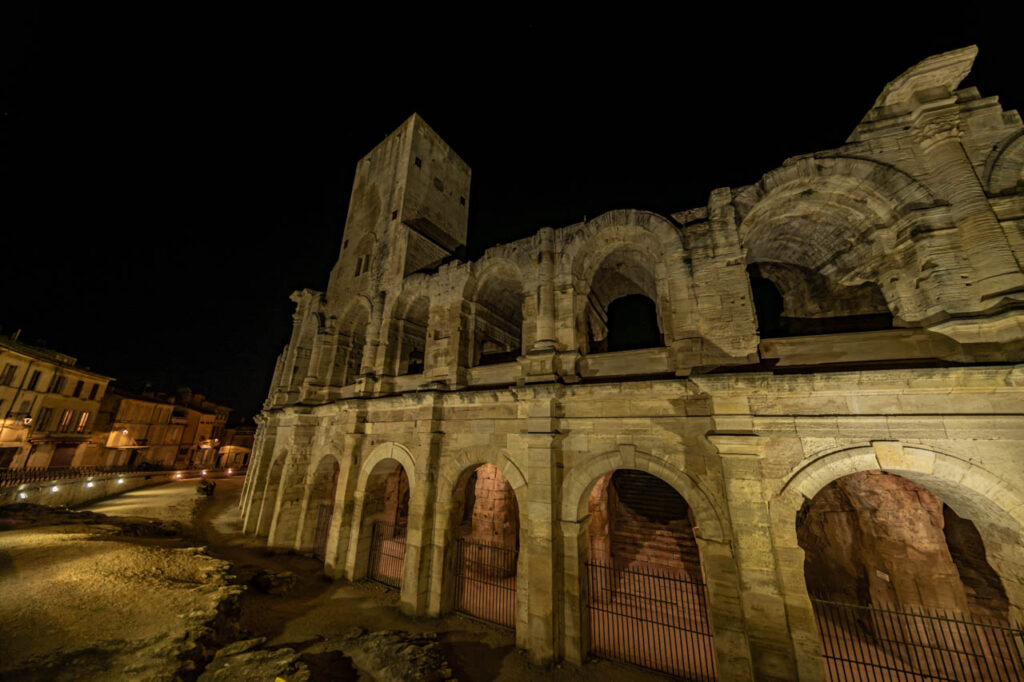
column 135, row 430
column 48, row 406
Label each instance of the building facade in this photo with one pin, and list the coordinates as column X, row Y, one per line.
column 48, row 406
column 135, row 430
column 846, row 331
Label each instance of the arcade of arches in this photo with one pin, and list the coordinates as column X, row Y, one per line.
column 775, row 437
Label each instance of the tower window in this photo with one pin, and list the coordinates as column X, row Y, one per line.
column 394, row 215
column 462, row 201
column 419, row 163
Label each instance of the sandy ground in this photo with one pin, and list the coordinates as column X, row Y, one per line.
column 308, row 618
column 79, row 599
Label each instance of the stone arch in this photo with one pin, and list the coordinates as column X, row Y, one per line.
column 496, row 296
column 407, row 328
column 1004, row 169
column 995, row 507
column 322, row 488
column 352, row 327
column 577, row 484
column 619, row 254
column 455, row 472
column 820, row 229
column 271, row 489
column 381, row 462
column 710, row 531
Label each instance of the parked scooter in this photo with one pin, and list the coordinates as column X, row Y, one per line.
column 206, row 487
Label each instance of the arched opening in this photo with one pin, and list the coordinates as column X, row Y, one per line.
column 646, row 597
column 348, row 360
column 269, row 494
column 901, row 584
column 323, row 488
column 485, row 547
column 792, row 300
column 385, row 517
column 409, row 336
column 497, row 319
column 621, row 309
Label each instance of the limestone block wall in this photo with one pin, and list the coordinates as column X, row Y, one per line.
column 917, row 217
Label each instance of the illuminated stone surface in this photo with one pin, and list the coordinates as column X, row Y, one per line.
column 903, row 245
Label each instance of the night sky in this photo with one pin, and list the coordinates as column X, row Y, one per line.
column 170, row 176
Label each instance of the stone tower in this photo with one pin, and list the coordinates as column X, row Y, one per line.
column 408, row 212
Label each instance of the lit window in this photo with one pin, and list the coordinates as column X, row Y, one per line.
column 83, row 419
column 65, row 421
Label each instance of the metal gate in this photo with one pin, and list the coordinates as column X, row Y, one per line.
column 652, row 617
column 323, row 529
column 485, row 582
column 872, row 643
column 387, row 554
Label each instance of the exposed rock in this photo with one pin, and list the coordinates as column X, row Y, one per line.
column 273, row 583
column 246, row 660
column 396, row 656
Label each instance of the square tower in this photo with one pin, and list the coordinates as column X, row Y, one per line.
column 408, row 211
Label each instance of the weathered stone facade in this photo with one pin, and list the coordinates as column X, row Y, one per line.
column 417, row 359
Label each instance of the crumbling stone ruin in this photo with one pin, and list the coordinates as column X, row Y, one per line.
column 823, row 405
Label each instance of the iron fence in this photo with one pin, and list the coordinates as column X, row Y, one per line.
column 650, row 616
column 387, row 554
column 874, row 643
column 485, row 582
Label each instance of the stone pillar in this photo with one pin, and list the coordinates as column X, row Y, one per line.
column 341, row 522
column 936, row 130
column 763, row 606
column 543, row 560
column 546, row 291
column 285, row 524
column 419, row 535
column 574, row 556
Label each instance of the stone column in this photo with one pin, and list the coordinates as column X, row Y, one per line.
column 546, row 291
column 763, row 606
column 936, row 130
column 574, row 554
column 543, row 560
column 419, row 536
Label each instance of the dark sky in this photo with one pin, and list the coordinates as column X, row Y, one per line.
column 171, row 175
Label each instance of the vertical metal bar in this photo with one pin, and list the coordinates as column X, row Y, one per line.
column 963, row 652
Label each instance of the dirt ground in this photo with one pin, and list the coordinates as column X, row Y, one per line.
column 309, row 617
column 83, row 596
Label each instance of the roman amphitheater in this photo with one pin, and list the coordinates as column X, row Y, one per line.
column 775, row 437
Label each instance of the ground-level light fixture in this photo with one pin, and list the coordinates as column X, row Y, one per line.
column 22, row 496
column 204, row 472
column 229, row 472
column 54, row 489
column 177, row 475
column 124, row 432
column 89, row 484
column 120, row 481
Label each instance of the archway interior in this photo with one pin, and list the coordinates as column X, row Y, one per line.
column 793, row 300
column 385, row 519
column 878, row 539
column 319, row 510
column 348, row 361
column 621, row 311
column 486, row 549
column 646, row 602
column 497, row 320
column 411, row 333
column 637, row 519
